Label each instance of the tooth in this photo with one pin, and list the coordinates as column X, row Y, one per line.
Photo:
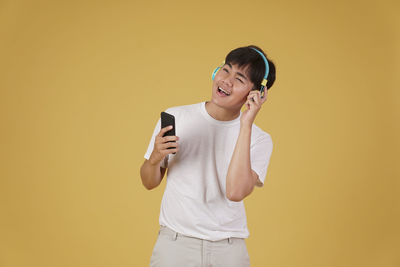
column 224, row 91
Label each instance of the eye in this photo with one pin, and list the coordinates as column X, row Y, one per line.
column 225, row 70
column 239, row 80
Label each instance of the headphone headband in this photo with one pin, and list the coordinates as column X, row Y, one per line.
column 264, row 82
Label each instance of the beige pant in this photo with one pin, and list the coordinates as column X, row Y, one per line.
column 176, row 250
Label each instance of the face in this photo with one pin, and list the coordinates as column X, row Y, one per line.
column 231, row 86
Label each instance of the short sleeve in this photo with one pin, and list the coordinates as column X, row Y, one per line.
column 260, row 154
column 164, row 163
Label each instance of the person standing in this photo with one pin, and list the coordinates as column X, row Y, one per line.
column 215, row 160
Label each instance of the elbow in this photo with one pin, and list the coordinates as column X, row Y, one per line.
column 239, row 192
column 147, row 183
column 147, row 186
column 235, row 196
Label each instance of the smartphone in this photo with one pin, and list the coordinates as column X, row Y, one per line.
column 167, row 120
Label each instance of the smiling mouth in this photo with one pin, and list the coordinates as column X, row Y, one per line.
column 223, row 91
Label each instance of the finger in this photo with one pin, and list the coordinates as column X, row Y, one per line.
column 250, row 97
column 164, row 140
column 253, row 94
column 164, row 130
column 169, row 138
column 168, row 145
column 256, row 98
column 265, row 91
column 170, row 151
column 246, row 104
column 263, row 99
column 250, row 103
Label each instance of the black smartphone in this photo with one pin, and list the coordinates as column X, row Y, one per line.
column 167, row 120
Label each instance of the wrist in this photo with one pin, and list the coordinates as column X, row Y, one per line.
column 154, row 162
column 246, row 126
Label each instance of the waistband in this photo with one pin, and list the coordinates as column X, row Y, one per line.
column 164, row 230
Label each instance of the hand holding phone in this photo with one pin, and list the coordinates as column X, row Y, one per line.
column 165, row 142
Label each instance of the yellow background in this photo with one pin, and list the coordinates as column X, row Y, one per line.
column 83, row 84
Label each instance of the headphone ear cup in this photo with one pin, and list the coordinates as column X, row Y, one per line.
column 262, row 89
column 215, row 73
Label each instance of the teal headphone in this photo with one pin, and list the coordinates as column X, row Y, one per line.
column 264, row 81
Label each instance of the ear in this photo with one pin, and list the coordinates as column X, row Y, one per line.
column 253, row 87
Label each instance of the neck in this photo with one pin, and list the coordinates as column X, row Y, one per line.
column 220, row 113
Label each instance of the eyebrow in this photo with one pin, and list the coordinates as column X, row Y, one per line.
column 238, row 73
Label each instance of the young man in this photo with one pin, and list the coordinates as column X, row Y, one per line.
column 220, row 155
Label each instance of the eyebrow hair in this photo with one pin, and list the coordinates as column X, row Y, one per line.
column 238, row 73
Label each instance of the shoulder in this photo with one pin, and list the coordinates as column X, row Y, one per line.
column 181, row 110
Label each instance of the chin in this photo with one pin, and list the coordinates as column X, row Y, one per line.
column 219, row 102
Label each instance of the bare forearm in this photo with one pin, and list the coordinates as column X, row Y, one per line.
column 151, row 174
column 240, row 179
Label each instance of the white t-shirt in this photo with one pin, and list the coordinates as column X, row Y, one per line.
column 194, row 202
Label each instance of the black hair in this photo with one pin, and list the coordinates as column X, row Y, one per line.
column 247, row 57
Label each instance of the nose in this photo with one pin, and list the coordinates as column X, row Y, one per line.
column 228, row 79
